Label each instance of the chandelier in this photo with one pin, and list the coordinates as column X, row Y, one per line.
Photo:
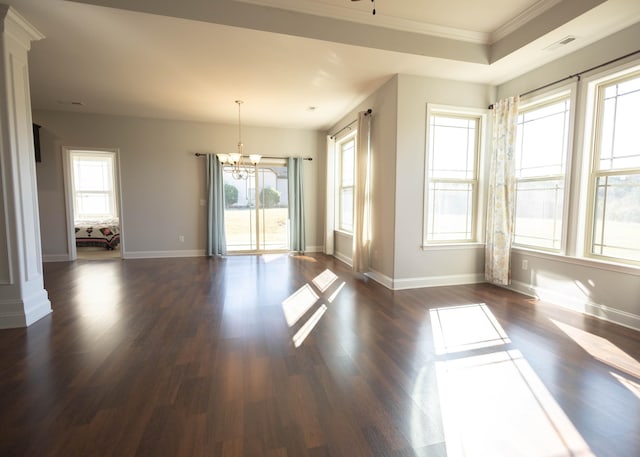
column 236, row 163
column 374, row 5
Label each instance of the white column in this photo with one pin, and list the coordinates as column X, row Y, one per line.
column 23, row 299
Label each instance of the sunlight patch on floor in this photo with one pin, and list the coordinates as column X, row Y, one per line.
column 336, row 292
column 324, row 280
column 308, row 326
column 267, row 258
column 495, row 404
column 298, row 303
column 601, row 349
column 633, row 386
column 462, row 328
column 492, row 403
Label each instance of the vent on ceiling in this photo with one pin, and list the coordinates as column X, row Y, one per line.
column 558, row 44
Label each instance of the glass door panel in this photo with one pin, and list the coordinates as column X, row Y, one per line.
column 239, row 212
column 256, row 210
column 273, row 209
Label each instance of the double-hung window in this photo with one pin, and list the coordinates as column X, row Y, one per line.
column 346, row 177
column 542, row 142
column 93, row 185
column 613, row 231
column 451, row 190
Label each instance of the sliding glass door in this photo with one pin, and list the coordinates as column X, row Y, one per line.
column 256, row 209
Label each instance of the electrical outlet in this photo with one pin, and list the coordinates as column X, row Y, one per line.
column 181, row 238
column 525, row 264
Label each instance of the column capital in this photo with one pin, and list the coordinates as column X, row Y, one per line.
column 18, row 27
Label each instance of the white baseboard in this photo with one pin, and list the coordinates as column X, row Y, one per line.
column 55, row 258
column 579, row 304
column 343, row 258
column 23, row 313
column 380, row 278
column 162, row 254
column 314, row 249
column 434, row 281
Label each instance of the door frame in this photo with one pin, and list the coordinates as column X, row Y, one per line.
column 68, row 194
column 265, row 163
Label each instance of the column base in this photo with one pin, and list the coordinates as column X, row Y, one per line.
column 22, row 313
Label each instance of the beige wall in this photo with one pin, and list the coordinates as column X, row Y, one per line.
column 415, row 266
column 162, row 181
column 383, row 104
column 597, row 288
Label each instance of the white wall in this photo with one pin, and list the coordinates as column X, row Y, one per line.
column 604, row 290
column 162, row 181
column 383, row 150
column 415, row 266
column 398, row 149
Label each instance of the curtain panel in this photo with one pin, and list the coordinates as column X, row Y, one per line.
column 330, row 195
column 216, row 242
column 362, row 198
column 296, row 204
column 501, row 194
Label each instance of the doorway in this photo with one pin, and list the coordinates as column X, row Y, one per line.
column 256, row 211
column 94, row 220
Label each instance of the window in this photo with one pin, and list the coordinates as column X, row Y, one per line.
column 542, row 143
column 93, row 186
column 346, row 174
column 614, row 181
column 451, row 192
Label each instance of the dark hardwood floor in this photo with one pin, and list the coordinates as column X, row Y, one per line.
column 195, row 357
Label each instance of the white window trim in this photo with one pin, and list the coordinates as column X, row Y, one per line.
column 338, row 181
column 480, row 192
column 564, row 91
column 112, row 192
column 591, row 153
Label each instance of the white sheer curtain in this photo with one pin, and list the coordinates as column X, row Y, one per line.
column 330, row 197
column 501, row 198
column 362, row 197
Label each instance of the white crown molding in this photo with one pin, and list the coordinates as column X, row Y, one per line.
column 380, row 20
column 521, row 19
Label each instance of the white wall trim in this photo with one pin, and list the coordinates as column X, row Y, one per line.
column 314, row 249
column 435, row 281
column 380, row 278
column 56, row 258
column 343, row 258
column 23, row 313
column 579, row 304
column 586, row 262
column 163, row 254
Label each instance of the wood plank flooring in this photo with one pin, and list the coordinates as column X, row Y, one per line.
column 194, row 357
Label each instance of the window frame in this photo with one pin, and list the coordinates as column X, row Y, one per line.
column 566, row 93
column 339, row 147
column 102, row 156
column 478, row 184
column 593, row 173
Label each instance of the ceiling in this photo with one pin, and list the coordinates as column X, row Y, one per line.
column 295, row 63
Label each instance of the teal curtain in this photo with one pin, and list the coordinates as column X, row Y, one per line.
column 296, row 204
column 216, row 242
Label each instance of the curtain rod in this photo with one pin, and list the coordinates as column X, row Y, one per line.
column 348, row 126
column 576, row 75
column 199, row 154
